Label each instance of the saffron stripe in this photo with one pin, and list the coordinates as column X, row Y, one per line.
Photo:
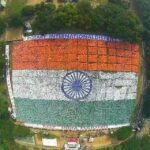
column 75, row 54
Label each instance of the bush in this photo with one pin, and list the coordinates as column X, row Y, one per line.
column 123, row 133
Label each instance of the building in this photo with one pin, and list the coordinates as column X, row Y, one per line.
column 3, row 3
column 49, row 142
column 72, row 145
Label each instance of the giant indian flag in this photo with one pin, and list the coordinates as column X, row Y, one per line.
column 74, row 83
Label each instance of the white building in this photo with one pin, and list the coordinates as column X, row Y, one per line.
column 3, row 3
column 49, row 142
column 72, row 145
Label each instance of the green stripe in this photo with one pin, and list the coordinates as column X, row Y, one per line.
column 74, row 114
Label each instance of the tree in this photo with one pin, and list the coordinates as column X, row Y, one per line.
column 45, row 8
column 45, row 15
column 122, row 133
column 28, row 11
column 2, row 26
column 85, row 12
column 146, row 105
column 21, row 131
column 15, row 21
column 98, row 21
column 6, row 130
column 120, row 23
column 109, row 19
column 67, row 16
column 121, row 3
column 2, row 60
column 143, row 7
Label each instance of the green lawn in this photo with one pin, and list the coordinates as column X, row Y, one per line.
column 1, row 147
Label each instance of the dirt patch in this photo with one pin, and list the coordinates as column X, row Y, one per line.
column 34, row 2
column 56, row 133
column 38, row 139
column 2, row 13
column 61, row 142
column 100, row 142
column 13, row 34
column 2, row 37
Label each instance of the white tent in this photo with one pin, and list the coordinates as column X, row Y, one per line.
column 49, row 142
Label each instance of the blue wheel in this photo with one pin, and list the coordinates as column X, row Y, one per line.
column 76, row 85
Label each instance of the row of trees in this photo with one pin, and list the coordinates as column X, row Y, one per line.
column 143, row 7
column 110, row 19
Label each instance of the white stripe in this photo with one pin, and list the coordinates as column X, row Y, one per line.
column 69, row 36
column 9, row 81
column 75, row 128
column 46, row 84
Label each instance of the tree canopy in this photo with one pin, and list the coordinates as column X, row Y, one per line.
column 2, row 26
column 28, row 11
column 143, row 10
column 15, row 21
column 122, row 133
column 119, row 22
column 109, row 19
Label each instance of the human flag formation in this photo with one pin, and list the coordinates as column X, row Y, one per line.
column 74, row 82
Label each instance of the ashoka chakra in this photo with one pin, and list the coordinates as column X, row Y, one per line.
column 76, row 85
